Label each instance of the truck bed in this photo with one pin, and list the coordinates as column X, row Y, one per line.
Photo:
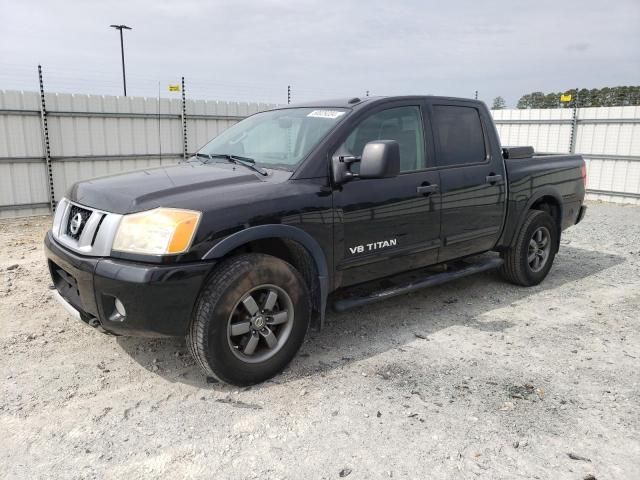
column 560, row 176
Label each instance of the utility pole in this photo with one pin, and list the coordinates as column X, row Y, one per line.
column 124, row 76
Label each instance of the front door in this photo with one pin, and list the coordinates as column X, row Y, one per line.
column 385, row 226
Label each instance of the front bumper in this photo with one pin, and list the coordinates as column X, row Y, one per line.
column 158, row 299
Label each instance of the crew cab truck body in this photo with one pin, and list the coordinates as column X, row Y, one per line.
column 241, row 246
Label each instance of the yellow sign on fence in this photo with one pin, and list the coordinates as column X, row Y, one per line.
column 174, row 88
column 565, row 98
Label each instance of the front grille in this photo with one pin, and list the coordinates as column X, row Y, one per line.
column 91, row 233
column 78, row 218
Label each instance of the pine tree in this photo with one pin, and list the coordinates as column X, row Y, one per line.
column 596, row 97
column 498, row 103
column 524, row 102
column 537, row 100
column 551, row 100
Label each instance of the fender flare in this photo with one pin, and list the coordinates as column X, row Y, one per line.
column 547, row 191
column 260, row 232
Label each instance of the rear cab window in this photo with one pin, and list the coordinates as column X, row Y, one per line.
column 458, row 135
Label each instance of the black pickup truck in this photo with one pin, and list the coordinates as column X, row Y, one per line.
column 241, row 248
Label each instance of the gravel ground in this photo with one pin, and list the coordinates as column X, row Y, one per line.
column 474, row 379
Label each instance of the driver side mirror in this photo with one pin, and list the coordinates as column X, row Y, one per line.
column 380, row 159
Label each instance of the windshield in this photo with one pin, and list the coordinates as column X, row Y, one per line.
column 276, row 138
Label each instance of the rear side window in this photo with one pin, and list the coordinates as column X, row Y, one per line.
column 458, row 133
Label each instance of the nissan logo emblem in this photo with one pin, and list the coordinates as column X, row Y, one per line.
column 75, row 224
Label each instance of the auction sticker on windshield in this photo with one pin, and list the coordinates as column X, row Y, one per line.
column 331, row 114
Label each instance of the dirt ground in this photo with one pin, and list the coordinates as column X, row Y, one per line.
column 474, row 379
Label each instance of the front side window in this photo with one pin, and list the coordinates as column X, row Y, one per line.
column 276, row 138
column 459, row 135
column 402, row 124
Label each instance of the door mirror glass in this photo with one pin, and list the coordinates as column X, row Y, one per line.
column 380, row 159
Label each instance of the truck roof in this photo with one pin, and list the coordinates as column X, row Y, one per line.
column 355, row 102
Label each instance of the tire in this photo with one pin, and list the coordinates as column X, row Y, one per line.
column 217, row 338
column 518, row 267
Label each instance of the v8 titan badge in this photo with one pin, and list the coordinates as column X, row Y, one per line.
column 370, row 247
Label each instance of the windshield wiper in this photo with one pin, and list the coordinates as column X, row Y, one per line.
column 203, row 155
column 237, row 159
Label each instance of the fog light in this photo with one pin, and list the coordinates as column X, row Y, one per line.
column 120, row 308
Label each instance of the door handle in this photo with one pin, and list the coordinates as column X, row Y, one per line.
column 427, row 189
column 493, row 179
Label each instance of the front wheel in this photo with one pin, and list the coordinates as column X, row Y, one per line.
column 529, row 260
column 250, row 319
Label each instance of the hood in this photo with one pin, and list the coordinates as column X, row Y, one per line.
column 164, row 186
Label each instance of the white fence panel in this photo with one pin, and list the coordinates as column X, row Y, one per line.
column 92, row 135
column 608, row 138
column 23, row 175
column 546, row 130
column 609, row 131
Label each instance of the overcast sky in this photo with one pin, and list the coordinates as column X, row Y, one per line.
column 252, row 49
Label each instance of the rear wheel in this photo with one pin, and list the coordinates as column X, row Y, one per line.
column 529, row 260
column 250, row 319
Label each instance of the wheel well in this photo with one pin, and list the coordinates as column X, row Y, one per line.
column 291, row 252
column 550, row 205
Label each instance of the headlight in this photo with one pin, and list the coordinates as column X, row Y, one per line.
column 162, row 231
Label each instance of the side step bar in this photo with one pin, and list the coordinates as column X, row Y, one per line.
column 428, row 281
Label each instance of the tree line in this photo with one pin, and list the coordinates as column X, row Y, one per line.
column 595, row 97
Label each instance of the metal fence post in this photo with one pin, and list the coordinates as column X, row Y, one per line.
column 45, row 142
column 159, row 126
column 184, row 122
column 574, row 125
column 288, row 130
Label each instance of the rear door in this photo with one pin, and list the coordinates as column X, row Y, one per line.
column 472, row 179
column 385, row 226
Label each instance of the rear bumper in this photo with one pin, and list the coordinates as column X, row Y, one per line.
column 581, row 214
column 158, row 299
